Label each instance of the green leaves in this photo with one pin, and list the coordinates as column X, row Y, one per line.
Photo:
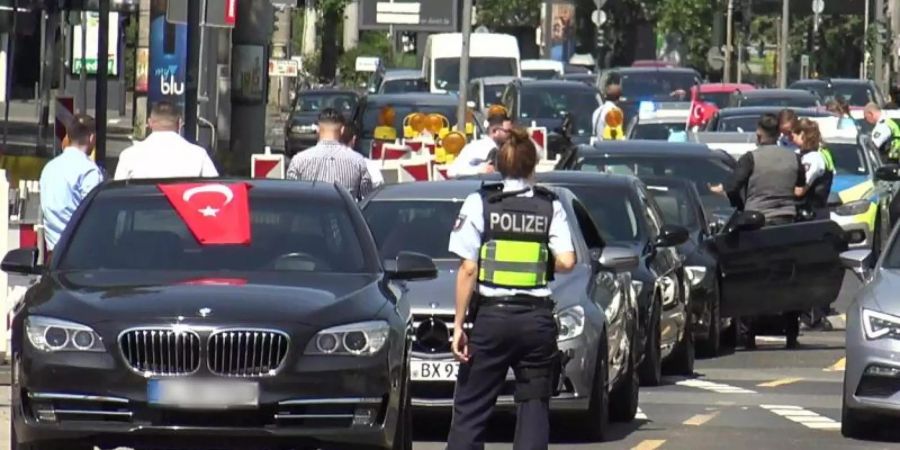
column 509, row 13
column 692, row 19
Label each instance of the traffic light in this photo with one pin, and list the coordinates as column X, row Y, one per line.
column 408, row 42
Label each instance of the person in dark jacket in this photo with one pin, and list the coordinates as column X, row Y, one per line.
column 768, row 180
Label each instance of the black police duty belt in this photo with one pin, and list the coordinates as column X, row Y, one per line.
column 516, row 301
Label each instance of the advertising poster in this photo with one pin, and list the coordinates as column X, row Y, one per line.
column 168, row 56
column 93, row 30
column 562, row 31
column 248, row 75
column 142, row 71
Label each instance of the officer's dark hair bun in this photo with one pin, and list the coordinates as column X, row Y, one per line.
column 518, row 157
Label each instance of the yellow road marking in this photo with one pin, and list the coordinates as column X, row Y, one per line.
column 837, row 366
column 650, row 444
column 780, row 382
column 700, row 419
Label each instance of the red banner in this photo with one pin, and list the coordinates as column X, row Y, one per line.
column 216, row 214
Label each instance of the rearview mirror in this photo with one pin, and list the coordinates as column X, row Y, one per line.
column 890, row 172
column 409, row 266
column 747, row 221
column 22, row 261
column 860, row 262
column 619, row 259
column 671, row 235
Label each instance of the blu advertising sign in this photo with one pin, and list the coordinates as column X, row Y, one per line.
column 168, row 57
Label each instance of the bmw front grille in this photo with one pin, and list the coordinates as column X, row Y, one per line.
column 229, row 353
column 246, row 353
column 161, row 351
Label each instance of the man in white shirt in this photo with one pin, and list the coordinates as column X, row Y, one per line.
column 613, row 94
column 474, row 158
column 164, row 154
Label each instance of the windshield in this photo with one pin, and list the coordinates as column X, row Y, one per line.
column 343, row 103
column 785, row 102
column 849, row 159
column 403, row 86
column 540, row 74
column 720, row 99
column 740, row 124
column 370, row 115
column 675, row 206
column 656, row 131
column 613, row 212
column 414, row 226
column 145, row 233
column 493, row 94
column 855, row 94
column 446, row 70
column 553, row 103
column 652, row 84
column 702, row 172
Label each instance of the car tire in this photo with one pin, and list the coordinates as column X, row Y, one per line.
column 651, row 367
column 854, row 424
column 594, row 423
column 681, row 362
column 711, row 345
column 623, row 401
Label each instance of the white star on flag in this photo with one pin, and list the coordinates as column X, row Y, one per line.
column 209, row 211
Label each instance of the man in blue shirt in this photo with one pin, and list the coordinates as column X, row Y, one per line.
column 68, row 179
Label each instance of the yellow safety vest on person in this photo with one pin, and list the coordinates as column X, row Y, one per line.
column 894, row 147
column 515, row 244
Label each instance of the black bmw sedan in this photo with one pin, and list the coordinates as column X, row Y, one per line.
column 214, row 313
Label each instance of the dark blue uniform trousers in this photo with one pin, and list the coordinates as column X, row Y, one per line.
column 521, row 337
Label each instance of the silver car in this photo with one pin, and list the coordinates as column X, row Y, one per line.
column 872, row 374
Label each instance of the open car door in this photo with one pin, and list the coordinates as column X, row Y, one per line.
column 774, row 269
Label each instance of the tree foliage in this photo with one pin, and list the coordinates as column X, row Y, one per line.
column 508, row 13
column 692, row 21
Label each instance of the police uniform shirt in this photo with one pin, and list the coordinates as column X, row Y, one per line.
column 813, row 165
column 881, row 134
column 465, row 239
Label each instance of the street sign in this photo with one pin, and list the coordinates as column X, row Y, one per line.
column 283, row 68
column 367, row 63
column 267, row 166
column 818, row 6
column 409, row 15
column 219, row 13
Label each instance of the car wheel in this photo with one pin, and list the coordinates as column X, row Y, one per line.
column 853, row 424
column 711, row 345
column 623, row 401
column 682, row 360
column 651, row 367
column 594, row 423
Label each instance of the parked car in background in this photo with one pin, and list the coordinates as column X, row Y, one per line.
column 783, row 98
column 719, row 94
column 542, row 69
column 486, row 92
column 857, row 93
column 400, row 81
column 301, row 131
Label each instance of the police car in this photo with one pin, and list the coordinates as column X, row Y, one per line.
column 660, row 122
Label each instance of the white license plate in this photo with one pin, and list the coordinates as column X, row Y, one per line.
column 202, row 394
column 434, row 370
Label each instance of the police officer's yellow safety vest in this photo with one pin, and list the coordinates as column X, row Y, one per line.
column 515, row 250
column 829, row 160
column 894, row 146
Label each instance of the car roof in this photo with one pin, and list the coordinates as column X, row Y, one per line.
column 578, row 177
column 402, row 74
column 777, row 93
column 495, row 80
column 549, row 84
column 413, row 98
column 667, row 181
column 447, row 190
column 760, row 110
column 646, row 148
column 652, row 69
column 706, row 88
column 305, row 189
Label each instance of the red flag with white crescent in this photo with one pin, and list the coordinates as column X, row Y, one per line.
column 216, row 213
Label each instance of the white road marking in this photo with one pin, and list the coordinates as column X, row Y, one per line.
column 804, row 417
column 719, row 388
column 640, row 415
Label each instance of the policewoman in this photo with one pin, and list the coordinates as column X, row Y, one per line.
column 511, row 237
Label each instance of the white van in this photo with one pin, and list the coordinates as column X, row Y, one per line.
column 542, row 69
column 490, row 54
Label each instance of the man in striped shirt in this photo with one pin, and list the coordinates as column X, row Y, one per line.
column 330, row 161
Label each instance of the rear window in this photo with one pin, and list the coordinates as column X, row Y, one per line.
column 343, row 103
column 370, row 115
column 675, row 205
column 145, row 233
column 404, row 86
column 414, row 226
column 656, row 131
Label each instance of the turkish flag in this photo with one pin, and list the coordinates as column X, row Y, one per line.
column 216, row 213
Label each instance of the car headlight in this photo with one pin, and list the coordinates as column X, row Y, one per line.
column 853, row 208
column 695, row 274
column 879, row 325
column 571, row 323
column 303, row 129
column 53, row 335
column 358, row 339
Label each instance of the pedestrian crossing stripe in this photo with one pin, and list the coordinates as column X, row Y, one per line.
column 719, row 388
column 804, row 417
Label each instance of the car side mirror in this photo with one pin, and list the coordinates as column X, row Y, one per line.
column 860, row 262
column 747, row 221
column 619, row 259
column 22, row 261
column 410, row 266
column 890, row 172
column 671, row 235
